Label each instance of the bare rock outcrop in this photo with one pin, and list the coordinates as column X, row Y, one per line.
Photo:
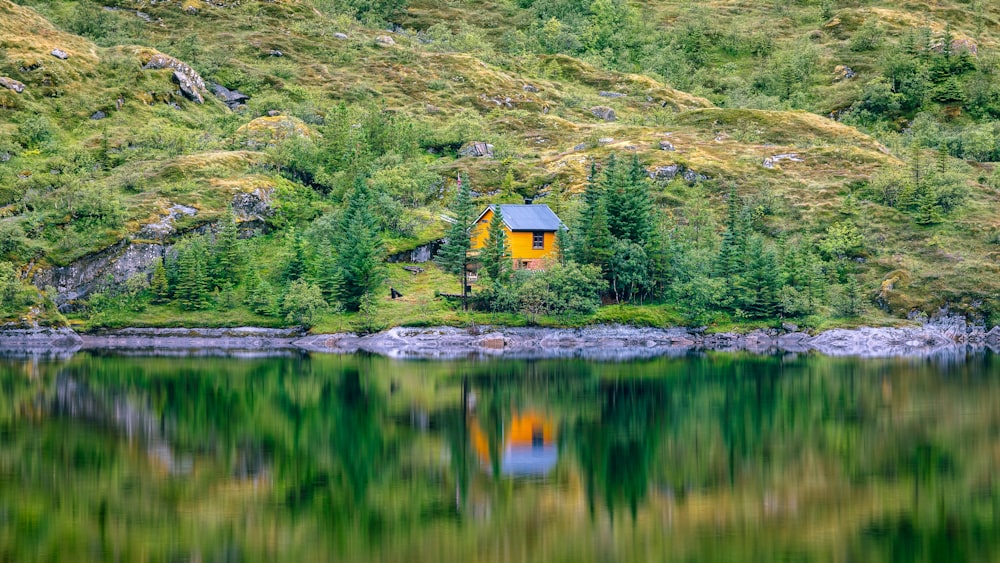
column 190, row 82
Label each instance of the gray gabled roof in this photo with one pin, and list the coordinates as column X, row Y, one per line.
column 533, row 217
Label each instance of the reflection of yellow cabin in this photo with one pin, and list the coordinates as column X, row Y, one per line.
column 527, row 445
column 531, row 232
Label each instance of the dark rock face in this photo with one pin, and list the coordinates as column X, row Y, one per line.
column 604, row 112
column 98, row 115
column 232, row 98
column 11, row 84
column 253, row 209
column 115, row 265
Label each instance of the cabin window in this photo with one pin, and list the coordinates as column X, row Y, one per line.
column 538, row 240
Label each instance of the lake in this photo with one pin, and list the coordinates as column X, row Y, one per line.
column 707, row 457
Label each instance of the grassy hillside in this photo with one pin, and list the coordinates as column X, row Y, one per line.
column 727, row 85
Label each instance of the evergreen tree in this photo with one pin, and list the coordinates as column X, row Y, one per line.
column 158, row 284
column 360, row 267
column 225, row 253
column 295, row 268
column 495, row 254
column 596, row 246
column 454, row 254
column 728, row 261
column 192, row 278
column 259, row 296
column 626, row 190
column 758, row 289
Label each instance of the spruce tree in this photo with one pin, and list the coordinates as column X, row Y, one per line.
column 495, row 255
column 593, row 196
column 295, row 268
column 192, row 279
column 360, row 266
column 158, row 284
column 225, row 253
column 630, row 208
column 757, row 290
column 453, row 257
column 597, row 239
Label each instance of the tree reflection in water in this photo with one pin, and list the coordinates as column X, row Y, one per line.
column 719, row 456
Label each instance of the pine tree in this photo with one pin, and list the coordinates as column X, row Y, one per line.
column 158, row 285
column 757, row 292
column 597, row 240
column 360, row 267
column 626, row 190
column 296, row 267
column 728, row 261
column 453, row 257
column 226, row 252
column 192, row 279
column 259, row 296
column 593, row 195
column 495, row 254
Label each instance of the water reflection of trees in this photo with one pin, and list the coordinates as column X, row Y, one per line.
column 345, row 452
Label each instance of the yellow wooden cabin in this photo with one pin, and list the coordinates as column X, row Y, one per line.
column 531, row 232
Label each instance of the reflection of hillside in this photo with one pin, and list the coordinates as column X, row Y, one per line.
column 360, row 458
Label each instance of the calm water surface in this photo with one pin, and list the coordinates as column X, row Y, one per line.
column 718, row 457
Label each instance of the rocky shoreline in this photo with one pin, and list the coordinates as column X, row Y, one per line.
column 948, row 337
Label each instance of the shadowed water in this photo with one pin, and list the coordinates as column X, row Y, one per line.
column 717, row 457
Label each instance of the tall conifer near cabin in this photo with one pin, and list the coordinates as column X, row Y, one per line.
column 360, row 257
column 454, row 254
column 495, row 254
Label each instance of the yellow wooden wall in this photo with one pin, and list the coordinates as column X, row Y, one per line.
column 520, row 242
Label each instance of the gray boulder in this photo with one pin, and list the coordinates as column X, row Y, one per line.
column 604, row 112
column 341, row 36
column 605, row 94
column 187, row 88
column 60, row 54
column 232, row 98
column 98, row 115
column 385, row 40
column 667, row 146
column 11, row 84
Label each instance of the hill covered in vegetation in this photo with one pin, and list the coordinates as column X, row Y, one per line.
column 825, row 161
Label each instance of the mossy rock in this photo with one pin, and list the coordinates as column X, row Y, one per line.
column 268, row 131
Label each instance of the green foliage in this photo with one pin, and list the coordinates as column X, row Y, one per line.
column 843, row 240
column 360, row 253
column 303, row 302
column 495, row 257
column 191, row 286
column 453, row 256
column 158, row 284
column 15, row 295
